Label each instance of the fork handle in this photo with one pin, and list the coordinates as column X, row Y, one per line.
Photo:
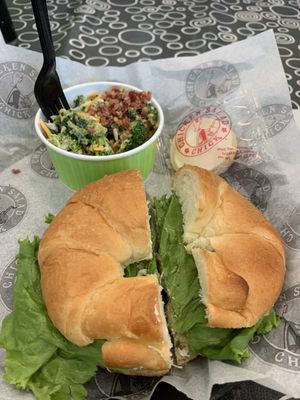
column 43, row 27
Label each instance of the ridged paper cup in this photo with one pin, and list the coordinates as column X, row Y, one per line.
column 77, row 170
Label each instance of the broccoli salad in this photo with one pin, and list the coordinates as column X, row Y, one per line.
column 105, row 123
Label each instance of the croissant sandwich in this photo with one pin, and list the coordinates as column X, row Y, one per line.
column 198, row 277
column 239, row 260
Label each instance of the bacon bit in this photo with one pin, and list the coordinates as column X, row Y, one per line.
column 126, row 123
column 144, row 111
column 15, row 171
column 91, row 130
column 115, row 147
column 132, row 96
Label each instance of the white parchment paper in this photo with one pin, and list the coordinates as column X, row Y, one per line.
column 247, row 82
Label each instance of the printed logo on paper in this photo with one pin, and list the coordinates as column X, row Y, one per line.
column 277, row 117
column 13, row 206
column 106, row 385
column 251, row 183
column 290, row 231
column 211, row 81
column 41, row 163
column 201, row 130
column 281, row 347
column 17, row 89
column 7, row 282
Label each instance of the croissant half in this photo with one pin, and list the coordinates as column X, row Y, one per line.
column 238, row 253
column 82, row 256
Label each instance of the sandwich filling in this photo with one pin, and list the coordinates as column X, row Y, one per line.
column 187, row 314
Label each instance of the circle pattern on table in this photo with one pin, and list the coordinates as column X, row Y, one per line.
column 119, row 32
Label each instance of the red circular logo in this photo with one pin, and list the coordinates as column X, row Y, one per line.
column 201, row 130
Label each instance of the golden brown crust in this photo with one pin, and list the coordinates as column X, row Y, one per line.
column 131, row 354
column 229, row 290
column 82, row 256
column 81, row 226
column 259, row 264
column 121, row 314
column 238, row 253
column 117, row 193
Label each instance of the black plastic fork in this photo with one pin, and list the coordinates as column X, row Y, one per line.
column 48, row 90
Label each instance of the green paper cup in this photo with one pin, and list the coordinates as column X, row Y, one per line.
column 77, row 170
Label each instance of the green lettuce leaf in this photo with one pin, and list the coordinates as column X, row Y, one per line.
column 38, row 357
column 49, row 218
column 180, row 279
column 147, row 267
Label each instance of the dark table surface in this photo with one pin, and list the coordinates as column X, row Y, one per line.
column 119, row 32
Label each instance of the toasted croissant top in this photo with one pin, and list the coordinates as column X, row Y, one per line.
column 238, row 253
column 82, row 256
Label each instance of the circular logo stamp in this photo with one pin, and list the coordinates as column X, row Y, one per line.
column 281, row 347
column 201, row 130
column 41, row 163
column 13, row 206
column 7, row 282
column 17, row 89
column 290, row 231
column 277, row 117
column 106, row 385
column 211, row 81
column 252, row 184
